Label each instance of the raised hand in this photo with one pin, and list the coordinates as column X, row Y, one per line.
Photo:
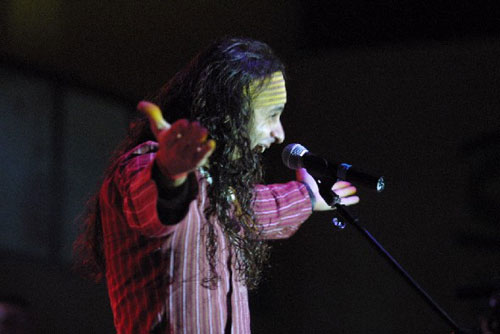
column 183, row 146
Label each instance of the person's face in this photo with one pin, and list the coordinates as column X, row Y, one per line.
column 265, row 125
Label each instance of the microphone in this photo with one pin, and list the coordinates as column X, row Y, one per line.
column 296, row 156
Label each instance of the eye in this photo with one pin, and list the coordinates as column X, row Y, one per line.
column 275, row 114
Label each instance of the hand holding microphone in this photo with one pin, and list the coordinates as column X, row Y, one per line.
column 183, row 146
column 330, row 184
column 345, row 191
column 296, row 156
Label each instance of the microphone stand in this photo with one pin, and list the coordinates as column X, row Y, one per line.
column 325, row 186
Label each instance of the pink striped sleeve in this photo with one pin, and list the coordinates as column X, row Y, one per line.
column 140, row 197
column 280, row 209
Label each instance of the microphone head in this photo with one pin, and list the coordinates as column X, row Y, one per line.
column 292, row 155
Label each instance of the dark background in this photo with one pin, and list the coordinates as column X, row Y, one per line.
column 407, row 89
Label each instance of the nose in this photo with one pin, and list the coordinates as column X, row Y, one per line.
column 278, row 133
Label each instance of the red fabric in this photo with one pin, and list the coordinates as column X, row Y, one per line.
column 154, row 271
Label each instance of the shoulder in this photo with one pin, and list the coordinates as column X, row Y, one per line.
column 141, row 149
column 143, row 152
column 135, row 158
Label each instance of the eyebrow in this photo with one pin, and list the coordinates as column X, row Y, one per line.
column 277, row 108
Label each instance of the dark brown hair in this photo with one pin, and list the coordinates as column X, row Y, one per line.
column 214, row 90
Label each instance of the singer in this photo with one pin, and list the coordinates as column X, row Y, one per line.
column 179, row 226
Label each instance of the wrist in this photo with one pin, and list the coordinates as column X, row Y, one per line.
column 167, row 179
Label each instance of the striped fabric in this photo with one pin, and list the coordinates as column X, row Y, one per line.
column 154, row 271
column 273, row 91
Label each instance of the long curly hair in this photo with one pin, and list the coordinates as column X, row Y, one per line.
column 214, row 90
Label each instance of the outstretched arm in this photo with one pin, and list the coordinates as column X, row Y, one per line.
column 182, row 147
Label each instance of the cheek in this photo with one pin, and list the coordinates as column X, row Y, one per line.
column 257, row 133
column 261, row 129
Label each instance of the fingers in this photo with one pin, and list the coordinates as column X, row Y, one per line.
column 201, row 148
column 184, row 147
column 198, row 132
column 346, row 191
column 205, row 152
column 178, row 132
column 351, row 200
column 156, row 120
column 191, row 135
column 340, row 185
